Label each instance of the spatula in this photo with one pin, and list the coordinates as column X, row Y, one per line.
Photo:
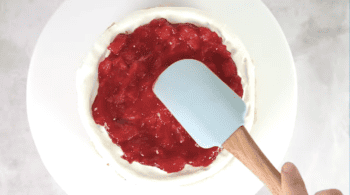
column 213, row 114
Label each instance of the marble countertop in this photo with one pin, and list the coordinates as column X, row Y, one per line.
column 318, row 35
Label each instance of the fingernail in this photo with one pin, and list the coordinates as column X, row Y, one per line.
column 287, row 167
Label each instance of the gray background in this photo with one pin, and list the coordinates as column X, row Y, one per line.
column 317, row 32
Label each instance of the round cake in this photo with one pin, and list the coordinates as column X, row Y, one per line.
column 115, row 149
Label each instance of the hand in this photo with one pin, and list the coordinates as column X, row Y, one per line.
column 293, row 184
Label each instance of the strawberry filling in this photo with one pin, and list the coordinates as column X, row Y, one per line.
column 134, row 117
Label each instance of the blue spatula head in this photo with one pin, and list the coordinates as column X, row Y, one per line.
column 203, row 104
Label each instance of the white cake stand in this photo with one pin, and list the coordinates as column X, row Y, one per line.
column 52, row 100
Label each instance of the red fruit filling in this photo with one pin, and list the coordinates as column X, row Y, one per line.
column 134, row 117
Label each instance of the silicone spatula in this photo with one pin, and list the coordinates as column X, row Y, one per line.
column 213, row 115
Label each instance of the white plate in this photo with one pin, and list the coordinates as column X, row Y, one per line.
column 52, row 100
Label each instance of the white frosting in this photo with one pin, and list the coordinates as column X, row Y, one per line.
column 87, row 86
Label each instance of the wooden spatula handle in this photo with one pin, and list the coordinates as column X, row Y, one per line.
column 243, row 147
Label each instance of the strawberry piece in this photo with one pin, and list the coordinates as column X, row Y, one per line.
column 132, row 94
column 158, row 22
column 229, row 68
column 212, row 67
column 121, row 78
column 173, row 42
column 151, row 120
column 171, row 165
column 165, row 32
column 158, row 49
column 145, row 58
column 158, row 63
column 142, row 32
column 204, row 34
column 124, row 132
column 140, row 69
column 182, row 136
column 236, row 86
column 167, row 141
column 105, row 67
column 133, row 68
column 207, row 35
column 129, row 56
column 118, row 43
column 98, row 111
column 180, row 52
column 223, row 51
column 190, row 36
column 207, row 52
column 194, row 44
column 187, row 33
column 117, row 98
column 131, row 114
column 119, row 63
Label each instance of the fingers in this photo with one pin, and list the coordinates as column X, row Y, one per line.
column 292, row 183
column 329, row 192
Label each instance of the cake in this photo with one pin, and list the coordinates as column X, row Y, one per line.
column 89, row 77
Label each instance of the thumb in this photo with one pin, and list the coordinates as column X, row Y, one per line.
column 292, row 183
